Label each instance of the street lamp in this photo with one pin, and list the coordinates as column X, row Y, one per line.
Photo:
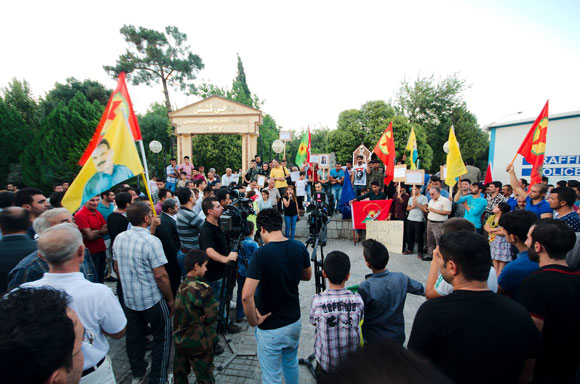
column 155, row 147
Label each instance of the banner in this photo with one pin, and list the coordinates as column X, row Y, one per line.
column 534, row 146
column 372, row 210
column 303, row 153
column 412, row 148
column 385, row 150
column 455, row 165
column 113, row 161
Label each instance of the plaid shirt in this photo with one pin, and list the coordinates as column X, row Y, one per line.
column 336, row 313
column 137, row 253
column 32, row 268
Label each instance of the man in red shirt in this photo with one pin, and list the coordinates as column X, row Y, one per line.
column 93, row 226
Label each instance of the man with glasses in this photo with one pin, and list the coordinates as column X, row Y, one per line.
column 438, row 210
column 95, row 304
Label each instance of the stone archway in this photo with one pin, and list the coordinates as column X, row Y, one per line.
column 216, row 115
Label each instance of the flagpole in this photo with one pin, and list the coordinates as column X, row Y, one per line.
column 144, row 159
column 512, row 163
column 149, row 195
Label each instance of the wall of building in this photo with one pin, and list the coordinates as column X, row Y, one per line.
column 562, row 159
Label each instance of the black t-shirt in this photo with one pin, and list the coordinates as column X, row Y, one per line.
column 475, row 336
column 290, row 210
column 278, row 266
column 116, row 223
column 210, row 236
column 552, row 294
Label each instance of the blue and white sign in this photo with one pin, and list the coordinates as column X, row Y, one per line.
column 563, row 167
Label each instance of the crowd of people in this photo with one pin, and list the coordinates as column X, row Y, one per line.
column 503, row 288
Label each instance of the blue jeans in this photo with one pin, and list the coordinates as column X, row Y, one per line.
column 216, row 287
column 239, row 305
column 180, row 262
column 290, row 222
column 170, row 186
column 277, row 352
column 337, row 193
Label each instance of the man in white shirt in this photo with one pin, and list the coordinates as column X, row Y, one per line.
column 95, row 304
column 230, row 177
column 439, row 209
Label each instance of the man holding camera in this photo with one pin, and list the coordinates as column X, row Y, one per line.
column 215, row 243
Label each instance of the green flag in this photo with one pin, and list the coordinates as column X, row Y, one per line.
column 303, row 149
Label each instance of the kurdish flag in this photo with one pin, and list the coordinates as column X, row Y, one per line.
column 455, row 165
column 534, row 145
column 412, row 148
column 303, row 153
column 113, row 160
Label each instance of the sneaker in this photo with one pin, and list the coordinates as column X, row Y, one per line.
column 426, row 258
column 140, row 380
column 407, row 252
column 218, row 350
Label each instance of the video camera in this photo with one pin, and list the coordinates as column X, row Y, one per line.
column 317, row 212
column 234, row 220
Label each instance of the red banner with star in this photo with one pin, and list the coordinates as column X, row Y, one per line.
column 534, row 145
column 385, row 150
column 372, row 210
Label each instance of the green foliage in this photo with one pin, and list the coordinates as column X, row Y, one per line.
column 240, row 90
column 59, row 143
column 158, row 56
column 367, row 125
column 268, row 133
column 155, row 125
column 93, row 91
column 19, row 96
column 436, row 105
column 218, row 151
column 15, row 134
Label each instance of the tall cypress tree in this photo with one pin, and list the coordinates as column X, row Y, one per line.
column 15, row 134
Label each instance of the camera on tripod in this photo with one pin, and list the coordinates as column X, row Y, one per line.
column 234, row 220
column 317, row 212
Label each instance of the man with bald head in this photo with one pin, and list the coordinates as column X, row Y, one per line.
column 15, row 243
column 97, row 307
column 32, row 267
column 228, row 178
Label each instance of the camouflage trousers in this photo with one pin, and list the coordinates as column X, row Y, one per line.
column 202, row 365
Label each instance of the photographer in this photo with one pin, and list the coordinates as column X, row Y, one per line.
column 318, row 213
column 278, row 267
column 215, row 243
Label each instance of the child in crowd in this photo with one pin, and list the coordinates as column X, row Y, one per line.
column 194, row 314
column 301, row 191
column 182, row 180
column 384, row 295
column 336, row 313
column 501, row 253
column 248, row 247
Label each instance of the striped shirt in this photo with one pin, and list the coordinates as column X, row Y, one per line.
column 137, row 253
column 188, row 227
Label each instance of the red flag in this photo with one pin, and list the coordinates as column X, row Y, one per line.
column 534, row 145
column 488, row 177
column 374, row 210
column 119, row 96
column 385, row 150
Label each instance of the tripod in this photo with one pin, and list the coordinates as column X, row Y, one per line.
column 314, row 241
column 226, row 294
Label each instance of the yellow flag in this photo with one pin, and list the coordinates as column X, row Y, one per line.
column 455, row 165
column 412, row 148
column 113, row 161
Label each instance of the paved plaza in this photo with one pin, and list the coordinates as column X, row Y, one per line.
column 246, row 369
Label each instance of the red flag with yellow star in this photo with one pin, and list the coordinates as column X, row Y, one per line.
column 385, row 150
column 534, row 145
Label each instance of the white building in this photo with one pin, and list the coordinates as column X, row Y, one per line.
column 562, row 158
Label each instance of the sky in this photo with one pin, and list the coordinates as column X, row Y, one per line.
column 310, row 60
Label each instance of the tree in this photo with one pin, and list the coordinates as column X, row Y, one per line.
column 367, row 125
column 240, row 90
column 219, row 152
column 155, row 125
column 91, row 89
column 15, row 134
column 436, row 105
column 269, row 132
column 157, row 56
column 19, row 96
column 60, row 141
